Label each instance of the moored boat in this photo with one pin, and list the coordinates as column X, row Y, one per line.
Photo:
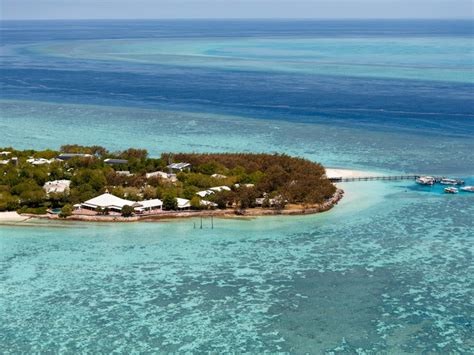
column 446, row 181
column 426, row 180
column 468, row 188
column 451, row 190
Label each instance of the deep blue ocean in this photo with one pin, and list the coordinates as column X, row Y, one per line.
column 389, row 270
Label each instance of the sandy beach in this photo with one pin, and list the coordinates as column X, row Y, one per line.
column 12, row 217
column 348, row 173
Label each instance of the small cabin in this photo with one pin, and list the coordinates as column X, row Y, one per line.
column 179, row 167
column 115, row 161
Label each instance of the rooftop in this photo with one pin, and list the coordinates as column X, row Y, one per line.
column 179, row 166
column 115, row 161
column 67, row 156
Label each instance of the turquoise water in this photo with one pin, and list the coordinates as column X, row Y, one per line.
column 368, row 276
column 389, row 270
column 414, row 58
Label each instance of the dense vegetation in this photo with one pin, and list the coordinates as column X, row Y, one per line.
column 278, row 179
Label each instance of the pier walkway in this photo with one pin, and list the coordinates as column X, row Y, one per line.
column 372, row 178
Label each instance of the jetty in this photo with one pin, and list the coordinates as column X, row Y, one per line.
column 373, row 178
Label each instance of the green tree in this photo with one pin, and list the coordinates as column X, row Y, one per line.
column 190, row 192
column 127, row 211
column 196, row 203
column 66, row 211
column 8, row 202
column 169, row 202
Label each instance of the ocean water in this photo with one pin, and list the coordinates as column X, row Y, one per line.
column 389, row 270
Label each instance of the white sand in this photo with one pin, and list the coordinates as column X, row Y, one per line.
column 348, row 173
column 11, row 217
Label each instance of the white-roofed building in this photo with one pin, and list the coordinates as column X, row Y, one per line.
column 4, row 162
column 208, row 203
column 39, row 161
column 183, row 203
column 218, row 176
column 161, row 175
column 177, row 167
column 220, row 188
column 107, row 200
column 204, row 193
column 125, row 173
column 57, row 186
column 148, row 205
column 244, row 185
column 67, row 156
column 4, row 153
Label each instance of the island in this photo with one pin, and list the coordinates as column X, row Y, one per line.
column 91, row 183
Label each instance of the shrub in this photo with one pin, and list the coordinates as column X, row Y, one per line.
column 196, row 203
column 169, row 202
column 66, row 211
column 127, row 211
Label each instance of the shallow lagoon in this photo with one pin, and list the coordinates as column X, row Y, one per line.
column 369, row 275
column 388, row 270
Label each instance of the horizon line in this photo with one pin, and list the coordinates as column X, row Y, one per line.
column 250, row 19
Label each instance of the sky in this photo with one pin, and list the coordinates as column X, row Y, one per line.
column 157, row 9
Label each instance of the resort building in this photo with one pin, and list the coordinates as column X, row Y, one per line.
column 108, row 201
column 5, row 153
column 208, row 203
column 57, row 186
column 178, row 167
column 218, row 176
column 213, row 190
column 115, row 204
column 244, row 185
column 220, row 188
column 115, row 161
column 204, row 193
column 40, row 161
column 4, row 162
column 148, row 205
column 67, row 156
column 183, row 203
column 162, row 175
column 124, row 173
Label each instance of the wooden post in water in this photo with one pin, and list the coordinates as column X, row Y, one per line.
column 212, row 221
column 201, row 222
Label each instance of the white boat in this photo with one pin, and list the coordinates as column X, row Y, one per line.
column 426, row 180
column 446, row 181
column 468, row 188
column 451, row 190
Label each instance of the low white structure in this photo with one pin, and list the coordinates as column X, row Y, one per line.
column 116, row 204
column 208, row 203
column 244, row 185
column 218, row 176
column 124, row 173
column 107, row 201
column 204, row 193
column 220, row 188
column 111, row 161
column 68, row 156
column 5, row 153
column 148, row 205
column 40, row 161
column 162, row 175
column 183, row 203
column 57, row 186
column 271, row 201
column 177, row 167
column 4, row 162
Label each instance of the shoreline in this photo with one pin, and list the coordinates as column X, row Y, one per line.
column 13, row 217
column 251, row 212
